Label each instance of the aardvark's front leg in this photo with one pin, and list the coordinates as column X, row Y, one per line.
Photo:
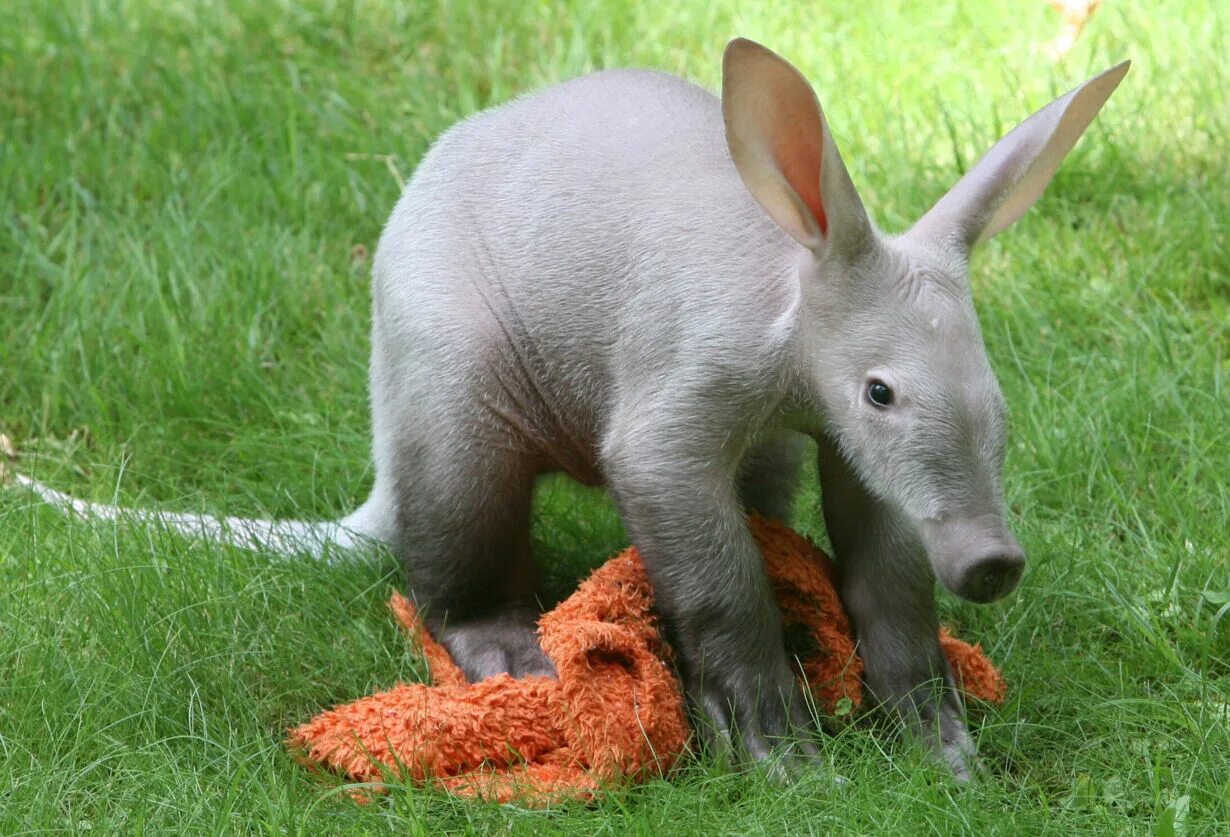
column 682, row 511
column 888, row 589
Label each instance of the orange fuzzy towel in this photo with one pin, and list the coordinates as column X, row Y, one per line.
column 616, row 712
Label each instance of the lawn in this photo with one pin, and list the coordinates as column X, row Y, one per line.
column 190, row 196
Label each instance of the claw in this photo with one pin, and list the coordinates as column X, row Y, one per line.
column 501, row 643
column 764, row 725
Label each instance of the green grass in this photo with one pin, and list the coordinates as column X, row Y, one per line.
column 189, row 194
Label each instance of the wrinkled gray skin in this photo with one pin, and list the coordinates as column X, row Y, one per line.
column 582, row 281
column 628, row 280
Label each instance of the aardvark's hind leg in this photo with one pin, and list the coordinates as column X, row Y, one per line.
column 464, row 537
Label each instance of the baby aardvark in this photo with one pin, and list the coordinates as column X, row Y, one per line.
column 628, row 280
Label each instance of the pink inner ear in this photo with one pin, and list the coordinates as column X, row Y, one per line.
column 799, row 159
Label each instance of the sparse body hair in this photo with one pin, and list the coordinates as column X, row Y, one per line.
column 629, row 280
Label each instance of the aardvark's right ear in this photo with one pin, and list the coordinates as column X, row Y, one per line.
column 782, row 149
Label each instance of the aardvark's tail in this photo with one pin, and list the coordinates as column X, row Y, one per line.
column 285, row 537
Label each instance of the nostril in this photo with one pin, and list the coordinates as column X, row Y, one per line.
column 994, row 576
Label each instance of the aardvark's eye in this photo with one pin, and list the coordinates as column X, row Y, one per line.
column 879, row 393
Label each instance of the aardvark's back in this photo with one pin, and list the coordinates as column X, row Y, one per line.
column 595, row 237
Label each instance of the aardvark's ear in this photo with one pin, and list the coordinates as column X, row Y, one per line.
column 782, row 148
column 1015, row 172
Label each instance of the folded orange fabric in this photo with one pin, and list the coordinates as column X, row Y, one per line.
column 615, row 714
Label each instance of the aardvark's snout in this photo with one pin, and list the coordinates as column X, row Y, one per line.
column 993, row 576
column 976, row 558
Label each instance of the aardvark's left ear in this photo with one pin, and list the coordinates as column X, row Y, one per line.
column 1015, row 172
